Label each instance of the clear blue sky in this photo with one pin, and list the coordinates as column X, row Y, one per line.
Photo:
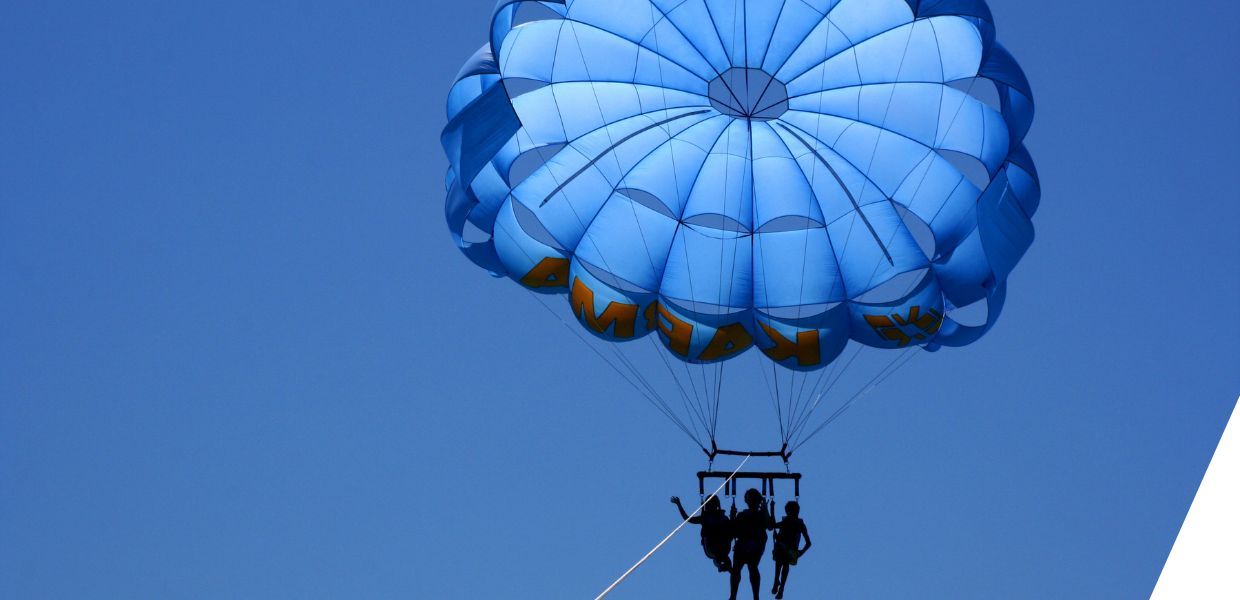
column 240, row 357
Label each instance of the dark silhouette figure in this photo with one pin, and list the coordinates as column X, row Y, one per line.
column 749, row 528
column 716, row 531
column 788, row 550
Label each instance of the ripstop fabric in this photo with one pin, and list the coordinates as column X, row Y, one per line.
column 726, row 174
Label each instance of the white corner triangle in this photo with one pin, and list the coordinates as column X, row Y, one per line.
column 1205, row 561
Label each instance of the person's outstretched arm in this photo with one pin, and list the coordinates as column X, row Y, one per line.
column 680, row 507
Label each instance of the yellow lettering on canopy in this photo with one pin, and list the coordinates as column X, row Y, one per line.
column 728, row 340
column 679, row 333
column 917, row 326
column 622, row 316
column 805, row 348
column 551, row 272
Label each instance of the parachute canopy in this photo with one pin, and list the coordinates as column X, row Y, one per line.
column 727, row 174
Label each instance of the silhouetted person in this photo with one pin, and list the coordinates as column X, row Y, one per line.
column 716, row 531
column 749, row 529
column 788, row 550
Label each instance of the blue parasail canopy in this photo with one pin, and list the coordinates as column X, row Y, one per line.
column 726, row 174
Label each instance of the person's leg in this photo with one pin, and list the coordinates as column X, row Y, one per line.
column 783, row 580
column 720, row 556
column 755, row 577
column 735, row 579
column 779, row 566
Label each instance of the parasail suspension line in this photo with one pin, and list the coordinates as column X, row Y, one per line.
column 896, row 364
column 669, row 537
column 648, row 392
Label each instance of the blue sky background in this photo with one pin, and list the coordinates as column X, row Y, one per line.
column 241, row 358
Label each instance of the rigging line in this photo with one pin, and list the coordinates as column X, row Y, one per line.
column 714, row 424
column 792, row 391
column 811, row 388
column 706, row 390
column 824, row 375
column 713, row 407
column 696, row 409
column 638, row 374
column 787, row 402
column 657, row 404
column 675, row 531
column 881, row 375
column 693, row 384
column 770, row 393
column 624, row 360
column 907, row 357
column 805, row 417
column 794, row 401
column 628, row 363
column 800, row 397
column 722, row 370
column 707, row 400
column 779, row 409
column 685, row 400
column 843, row 408
column 667, row 410
column 658, row 351
column 714, row 389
